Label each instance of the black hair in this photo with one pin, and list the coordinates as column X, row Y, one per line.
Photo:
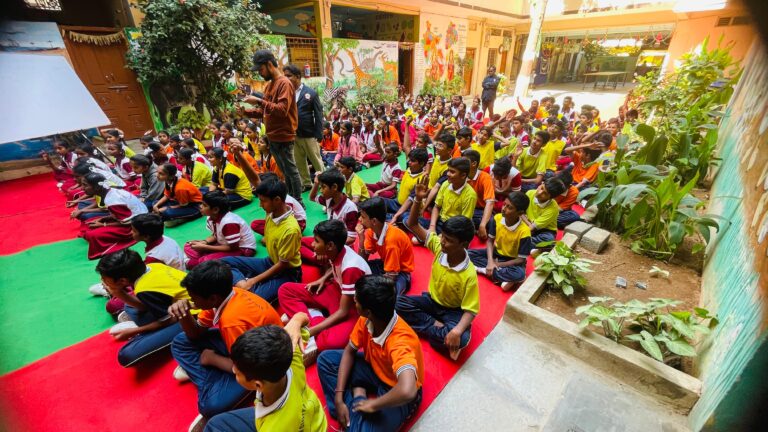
column 520, row 200
column 268, row 176
column 394, row 148
column 554, row 187
column 464, row 132
column 66, row 144
column 327, row 125
column 587, row 114
column 332, row 231
column 149, row 224
column 190, row 143
column 565, row 176
column 633, row 112
column 348, row 126
column 472, row 155
column 90, row 150
column 218, row 152
column 293, row 69
column 81, row 167
column 125, row 263
column 502, row 166
column 93, row 178
column 217, row 199
column 228, row 126
column 419, row 155
column 460, row 227
column 519, row 118
column 332, row 177
column 170, row 185
column 375, row 208
column 593, row 153
column 186, row 153
column 163, row 131
column 272, row 189
column 263, row 353
column 461, row 164
column 209, row 278
column 544, row 135
column 604, row 137
column 155, row 146
column 348, row 161
column 142, row 160
column 447, row 139
column 149, row 138
column 376, row 293
column 536, row 123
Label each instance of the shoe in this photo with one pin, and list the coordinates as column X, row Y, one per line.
column 122, row 326
column 198, row 424
column 123, row 317
column 310, row 353
column 180, row 375
column 509, row 286
column 98, row 290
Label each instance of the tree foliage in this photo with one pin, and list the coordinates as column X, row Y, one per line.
column 197, row 42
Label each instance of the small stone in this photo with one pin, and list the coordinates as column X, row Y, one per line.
column 621, row 282
column 595, row 240
column 570, row 239
column 578, row 228
column 641, row 285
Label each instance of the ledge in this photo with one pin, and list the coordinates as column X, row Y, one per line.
column 641, row 372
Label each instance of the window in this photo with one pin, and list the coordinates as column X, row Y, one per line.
column 49, row 5
column 492, row 53
column 303, row 51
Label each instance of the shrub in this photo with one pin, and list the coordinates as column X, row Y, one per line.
column 563, row 266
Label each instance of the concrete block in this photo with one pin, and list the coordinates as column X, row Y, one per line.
column 590, row 213
column 570, row 239
column 578, row 228
column 595, row 240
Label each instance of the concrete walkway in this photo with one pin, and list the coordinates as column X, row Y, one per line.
column 515, row 383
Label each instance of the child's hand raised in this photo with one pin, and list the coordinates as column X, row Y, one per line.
column 422, row 188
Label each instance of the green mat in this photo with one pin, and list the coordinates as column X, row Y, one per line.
column 44, row 290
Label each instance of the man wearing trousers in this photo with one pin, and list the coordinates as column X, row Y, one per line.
column 310, row 129
column 280, row 117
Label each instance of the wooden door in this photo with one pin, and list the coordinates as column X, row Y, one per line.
column 503, row 68
column 467, row 76
column 405, row 67
column 117, row 91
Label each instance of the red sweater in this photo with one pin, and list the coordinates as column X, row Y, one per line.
column 280, row 115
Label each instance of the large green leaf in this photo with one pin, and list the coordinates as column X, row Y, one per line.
column 646, row 132
column 651, row 346
column 657, row 151
column 676, row 232
column 681, row 347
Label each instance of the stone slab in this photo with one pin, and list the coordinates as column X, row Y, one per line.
column 590, row 213
column 595, row 240
column 578, row 228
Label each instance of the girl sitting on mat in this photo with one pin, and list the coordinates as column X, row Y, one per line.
column 123, row 166
column 230, row 234
column 62, row 172
column 229, row 179
column 110, row 233
column 181, row 199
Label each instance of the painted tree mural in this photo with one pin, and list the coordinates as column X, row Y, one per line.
column 331, row 51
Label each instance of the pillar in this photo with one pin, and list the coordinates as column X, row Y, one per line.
column 531, row 46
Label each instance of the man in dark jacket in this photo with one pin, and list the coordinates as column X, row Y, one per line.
column 310, row 129
column 490, row 85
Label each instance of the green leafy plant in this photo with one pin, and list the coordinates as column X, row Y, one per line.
column 376, row 93
column 563, row 266
column 199, row 44
column 662, row 333
column 189, row 117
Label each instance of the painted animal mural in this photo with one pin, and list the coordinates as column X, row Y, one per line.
column 390, row 67
column 361, row 77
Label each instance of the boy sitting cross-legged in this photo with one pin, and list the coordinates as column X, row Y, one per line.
column 390, row 368
column 509, row 243
column 282, row 235
column 444, row 314
column 202, row 349
column 268, row 360
column 541, row 216
column 390, row 242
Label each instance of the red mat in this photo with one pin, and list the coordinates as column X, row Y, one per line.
column 35, row 205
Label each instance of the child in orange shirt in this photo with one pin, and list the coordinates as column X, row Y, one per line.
column 566, row 200
column 266, row 162
column 584, row 159
column 433, row 126
column 329, row 145
column 181, row 199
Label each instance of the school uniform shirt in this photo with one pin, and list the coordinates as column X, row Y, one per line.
column 568, row 198
column 367, row 139
column 99, row 167
column 124, row 169
column 234, row 179
column 452, row 287
column 298, row 211
column 454, row 202
column 298, row 408
column 482, row 183
column 581, row 172
column 159, row 287
column 487, row 153
column 393, row 137
column 347, row 268
column 199, row 174
column 184, row 192
column 232, row 229
column 407, row 183
column 330, row 144
column 349, row 147
column 544, row 215
column 514, row 179
column 267, row 163
column 510, row 241
column 431, row 129
column 393, row 246
column 68, row 161
column 396, row 350
column 522, row 137
column 197, row 157
column 123, row 205
column 531, row 165
column 345, row 210
column 507, row 150
column 200, row 147
column 391, row 172
column 421, row 121
column 252, row 146
column 552, row 151
column 165, row 250
column 239, row 312
column 355, row 187
column 282, row 236
column 438, row 168
column 151, row 188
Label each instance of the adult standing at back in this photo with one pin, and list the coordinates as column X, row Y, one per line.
column 310, row 130
column 280, row 117
column 490, row 85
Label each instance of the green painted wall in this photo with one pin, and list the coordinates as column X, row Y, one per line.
column 733, row 365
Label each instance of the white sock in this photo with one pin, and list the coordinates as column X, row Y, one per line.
column 480, row 270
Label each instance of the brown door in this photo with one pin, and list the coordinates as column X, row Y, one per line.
column 405, row 68
column 503, row 66
column 102, row 69
column 467, row 76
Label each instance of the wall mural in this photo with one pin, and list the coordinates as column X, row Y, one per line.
column 355, row 63
column 442, row 44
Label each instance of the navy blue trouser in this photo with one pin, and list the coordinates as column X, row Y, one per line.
column 248, row 267
column 566, row 217
column 148, row 343
column 542, row 235
column 239, row 420
column 362, row 375
column 217, row 390
column 402, row 281
column 421, row 312
column 479, row 258
column 90, row 214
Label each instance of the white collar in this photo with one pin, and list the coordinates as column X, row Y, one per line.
column 263, row 411
column 530, row 154
column 541, row 204
column 282, row 217
column 221, row 307
column 380, row 240
column 510, row 227
column 477, row 174
column 381, row 339
column 457, row 191
column 461, row 266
